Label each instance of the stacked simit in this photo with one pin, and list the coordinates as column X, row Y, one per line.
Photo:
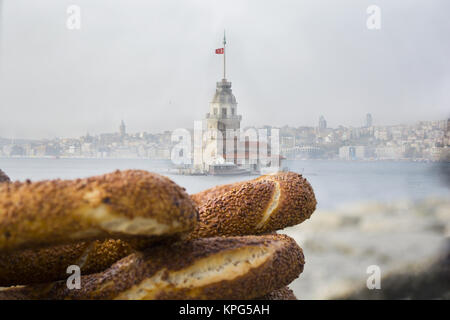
column 138, row 235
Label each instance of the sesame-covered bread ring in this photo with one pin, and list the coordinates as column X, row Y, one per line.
column 280, row 294
column 50, row 264
column 3, row 177
column 265, row 204
column 210, row 268
column 121, row 204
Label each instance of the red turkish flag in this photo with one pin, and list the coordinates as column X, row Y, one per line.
column 220, row 51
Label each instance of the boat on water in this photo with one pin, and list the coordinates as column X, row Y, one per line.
column 227, row 169
column 218, row 168
column 221, row 167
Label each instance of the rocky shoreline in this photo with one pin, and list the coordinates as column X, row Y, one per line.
column 402, row 238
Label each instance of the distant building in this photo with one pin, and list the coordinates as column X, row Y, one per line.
column 287, row 142
column 307, row 152
column 352, row 152
column 382, row 134
column 222, row 117
column 223, row 123
column 369, row 120
column 447, row 134
column 393, row 153
column 225, row 149
column 322, row 123
column 122, row 129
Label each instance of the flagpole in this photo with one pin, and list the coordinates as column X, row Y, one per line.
column 224, row 59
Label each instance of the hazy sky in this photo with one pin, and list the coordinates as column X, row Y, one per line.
column 152, row 63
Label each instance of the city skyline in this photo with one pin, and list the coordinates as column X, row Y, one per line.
column 289, row 63
column 113, row 128
column 426, row 140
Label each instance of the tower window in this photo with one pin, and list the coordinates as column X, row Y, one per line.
column 232, row 111
column 224, row 111
column 215, row 111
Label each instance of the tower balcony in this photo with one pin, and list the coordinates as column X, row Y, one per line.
column 224, row 84
column 219, row 116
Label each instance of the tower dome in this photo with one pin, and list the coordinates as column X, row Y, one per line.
column 224, row 94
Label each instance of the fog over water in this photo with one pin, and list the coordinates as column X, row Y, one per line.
column 152, row 63
column 335, row 183
column 391, row 214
